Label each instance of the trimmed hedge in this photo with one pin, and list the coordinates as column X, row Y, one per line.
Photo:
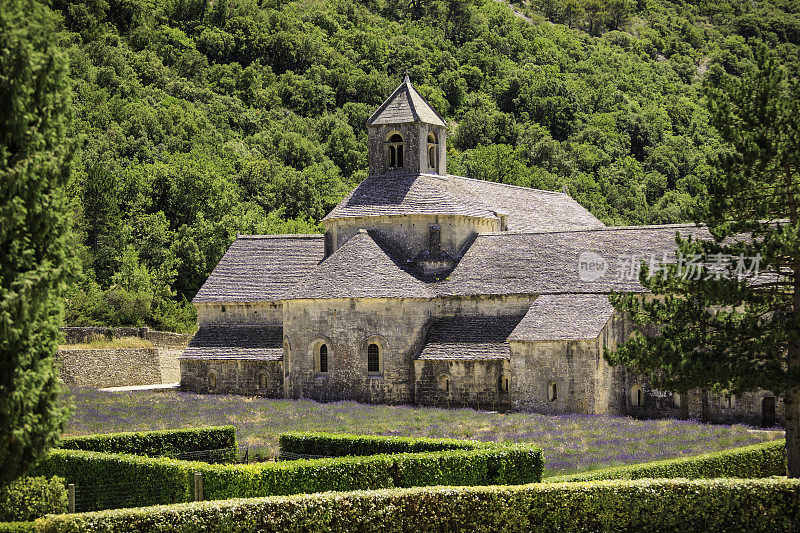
column 27, row 498
column 650, row 505
column 162, row 480
column 211, row 443
column 750, row 462
column 338, row 445
column 17, row 527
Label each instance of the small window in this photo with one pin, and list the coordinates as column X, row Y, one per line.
column 677, row 399
column 262, row 381
column 435, row 239
column 433, row 152
column 212, row 381
column 394, row 148
column 728, row 402
column 373, row 359
column 503, row 383
column 322, row 359
column 637, row 396
column 552, row 391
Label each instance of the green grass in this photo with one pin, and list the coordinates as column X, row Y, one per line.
column 571, row 443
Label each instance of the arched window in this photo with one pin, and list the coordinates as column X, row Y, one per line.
column 433, row 152
column 677, row 399
column 394, row 147
column 262, row 381
column 321, row 359
column 212, row 381
column 373, row 359
column 503, row 382
column 552, row 391
column 728, row 402
column 637, row 396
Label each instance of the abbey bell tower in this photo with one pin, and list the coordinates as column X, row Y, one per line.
column 406, row 136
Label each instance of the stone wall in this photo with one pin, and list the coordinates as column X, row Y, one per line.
column 254, row 377
column 410, row 233
column 348, row 326
column 415, row 148
column 117, row 367
column 454, row 383
column 114, row 367
column 240, row 313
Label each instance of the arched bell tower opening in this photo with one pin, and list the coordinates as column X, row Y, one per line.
column 394, row 151
column 433, row 153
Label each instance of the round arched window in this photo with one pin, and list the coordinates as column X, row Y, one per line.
column 552, row 391
column 637, row 396
column 394, row 151
column 212, row 381
column 373, row 359
column 322, row 359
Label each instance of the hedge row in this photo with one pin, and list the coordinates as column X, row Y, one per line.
column 27, row 498
column 211, row 443
column 138, row 481
column 750, row 462
column 17, row 527
column 651, row 505
column 337, row 445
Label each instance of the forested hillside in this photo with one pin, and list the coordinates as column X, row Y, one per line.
column 195, row 119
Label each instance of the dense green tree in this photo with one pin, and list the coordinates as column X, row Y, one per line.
column 724, row 328
column 34, row 234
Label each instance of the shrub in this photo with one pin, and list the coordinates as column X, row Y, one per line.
column 651, row 505
column 336, row 445
column 31, row 497
column 17, row 527
column 206, row 444
column 756, row 461
column 106, row 481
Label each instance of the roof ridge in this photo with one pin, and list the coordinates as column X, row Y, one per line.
column 593, row 228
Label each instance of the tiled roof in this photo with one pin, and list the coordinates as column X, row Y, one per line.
column 469, row 338
column 526, row 209
column 564, row 317
column 403, row 194
column 405, row 105
column 239, row 341
column 548, row 263
column 261, row 268
column 359, row 269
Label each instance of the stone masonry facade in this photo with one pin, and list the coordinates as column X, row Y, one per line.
column 433, row 289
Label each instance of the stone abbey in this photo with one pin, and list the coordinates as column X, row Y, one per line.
column 433, row 289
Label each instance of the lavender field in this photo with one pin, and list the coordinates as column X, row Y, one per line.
column 571, row 443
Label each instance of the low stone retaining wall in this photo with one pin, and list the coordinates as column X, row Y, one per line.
column 120, row 367
column 111, row 367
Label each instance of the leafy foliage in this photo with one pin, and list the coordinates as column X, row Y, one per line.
column 28, row 498
column 650, row 504
column 34, row 233
column 203, row 119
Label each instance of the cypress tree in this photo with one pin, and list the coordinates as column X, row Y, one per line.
column 34, row 234
column 730, row 330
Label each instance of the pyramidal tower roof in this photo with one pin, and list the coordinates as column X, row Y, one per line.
column 405, row 105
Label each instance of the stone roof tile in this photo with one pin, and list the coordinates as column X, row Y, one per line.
column 359, row 269
column 564, row 317
column 261, row 268
column 405, row 105
column 236, row 341
column 469, row 338
column 548, row 262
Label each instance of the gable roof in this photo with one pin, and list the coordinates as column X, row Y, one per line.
column 547, row 262
column 261, row 268
column 359, row 269
column 564, row 317
column 469, row 338
column 236, row 341
column 405, row 105
column 526, row 209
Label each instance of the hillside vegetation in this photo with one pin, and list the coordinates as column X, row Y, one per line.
column 195, row 120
